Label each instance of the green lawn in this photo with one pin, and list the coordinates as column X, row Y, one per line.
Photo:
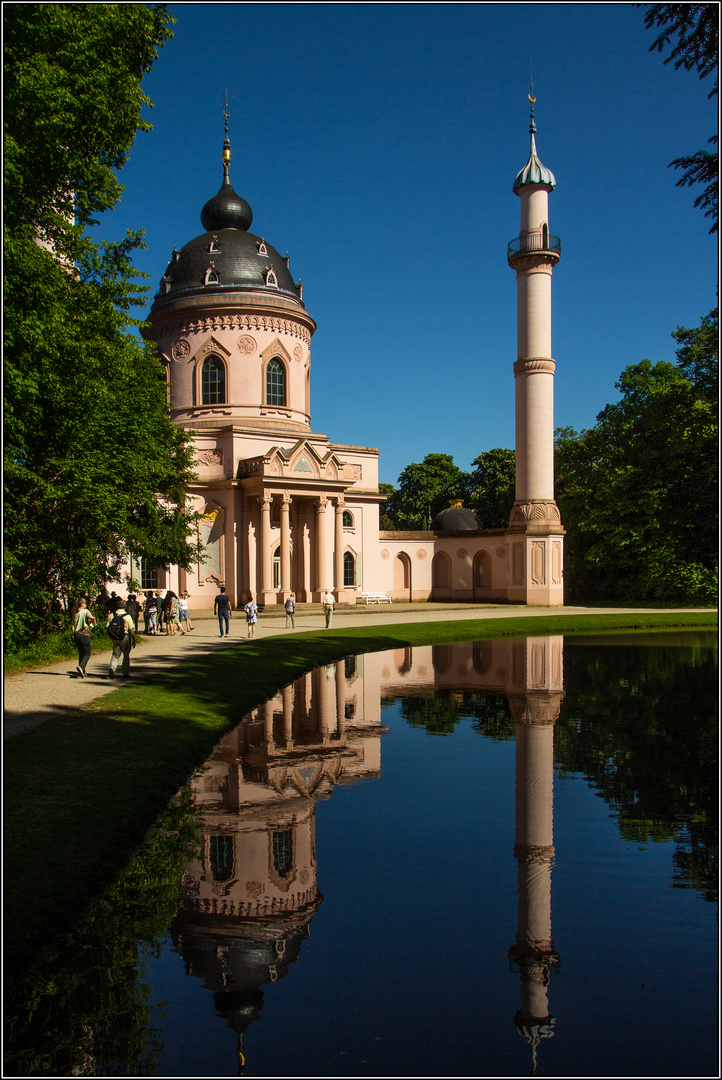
column 81, row 791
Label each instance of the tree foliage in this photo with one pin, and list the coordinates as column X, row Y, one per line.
column 638, row 492
column 492, row 486
column 424, row 490
column 94, row 468
column 691, row 33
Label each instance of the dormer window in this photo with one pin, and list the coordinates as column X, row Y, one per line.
column 165, row 285
column 262, row 249
column 214, row 249
column 175, row 256
column 211, row 277
column 271, row 278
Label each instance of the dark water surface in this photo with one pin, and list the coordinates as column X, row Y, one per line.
column 468, row 860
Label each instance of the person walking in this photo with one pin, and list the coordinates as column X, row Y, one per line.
column 290, row 607
column 328, row 604
column 183, row 609
column 251, row 610
column 82, row 621
column 222, row 607
column 133, row 607
column 168, row 613
column 159, row 611
column 121, row 631
column 151, row 611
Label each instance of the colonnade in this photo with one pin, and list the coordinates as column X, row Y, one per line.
column 313, row 711
column 306, row 568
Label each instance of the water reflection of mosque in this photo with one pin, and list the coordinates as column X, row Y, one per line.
column 250, row 898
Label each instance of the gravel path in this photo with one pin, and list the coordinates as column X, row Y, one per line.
column 40, row 694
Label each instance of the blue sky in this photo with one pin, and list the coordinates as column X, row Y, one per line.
column 378, row 143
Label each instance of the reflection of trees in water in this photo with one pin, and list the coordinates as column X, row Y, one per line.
column 440, row 713
column 85, row 1009
column 648, row 743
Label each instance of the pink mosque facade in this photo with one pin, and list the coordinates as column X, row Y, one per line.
column 285, row 509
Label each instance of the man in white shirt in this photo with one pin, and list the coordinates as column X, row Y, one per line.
column 328, row 602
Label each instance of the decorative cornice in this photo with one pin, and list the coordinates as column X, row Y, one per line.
column 544, row 261
column 207, row 324
column 534, row 363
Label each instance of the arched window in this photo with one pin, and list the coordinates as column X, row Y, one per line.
column 283, row 852
column 277, row 568
column 349, row 570
column 275, row 383
column 148, row 575
column 220, row 850
column 347, row 520
column 213, row 381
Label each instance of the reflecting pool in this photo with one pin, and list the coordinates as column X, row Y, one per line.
column 481, row 859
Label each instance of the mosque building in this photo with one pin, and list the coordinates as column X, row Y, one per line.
column 283, row 508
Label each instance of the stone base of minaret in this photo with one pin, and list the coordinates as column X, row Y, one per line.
column 536, row 541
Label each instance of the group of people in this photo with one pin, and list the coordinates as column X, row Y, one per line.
column 159, row 610
column 222, row 607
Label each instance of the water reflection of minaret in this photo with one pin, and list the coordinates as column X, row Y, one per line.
column 538, row 663
column 250, row 896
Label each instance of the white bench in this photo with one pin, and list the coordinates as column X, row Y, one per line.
column 373, row 598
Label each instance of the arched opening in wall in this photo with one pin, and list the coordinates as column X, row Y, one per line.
column 482, row 657
column 482, row 573
column 349, row 570
column 403, row 659
column 441, row 575
column 275, row 382
column 213, row 381
column 277, row 569
column 441, row 658
column 402, row 576
column 347, row 518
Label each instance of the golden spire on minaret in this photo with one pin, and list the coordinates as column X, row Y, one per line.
column 226, row 99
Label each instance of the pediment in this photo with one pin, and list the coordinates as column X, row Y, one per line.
column 212, row 345
column 276, row 348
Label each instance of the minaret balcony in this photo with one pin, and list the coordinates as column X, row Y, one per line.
column 534, row 243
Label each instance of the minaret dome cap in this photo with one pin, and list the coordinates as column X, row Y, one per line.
column 534, row 172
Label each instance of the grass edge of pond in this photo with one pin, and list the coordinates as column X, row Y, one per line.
column 81, row 791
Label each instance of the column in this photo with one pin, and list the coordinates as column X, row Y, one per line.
column 340, row 699
column 338, row 548
column 266, row 595
column 322, row 582
column 287, row 694
column 285, row 546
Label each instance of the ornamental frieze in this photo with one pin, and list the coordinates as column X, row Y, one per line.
column 213, row 323
column 536, row 511
column 523, row 367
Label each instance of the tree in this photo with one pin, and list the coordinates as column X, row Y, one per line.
column 94, row 468
column 694, row 27
column 492, row 487
column 385, row 521
column 425, row 489
column 638, row 492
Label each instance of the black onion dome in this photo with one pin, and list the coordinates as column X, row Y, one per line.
column 454, row 519
column 226, row 210
column 228, row 258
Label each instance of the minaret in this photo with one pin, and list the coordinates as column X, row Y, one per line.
column 537, row 553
